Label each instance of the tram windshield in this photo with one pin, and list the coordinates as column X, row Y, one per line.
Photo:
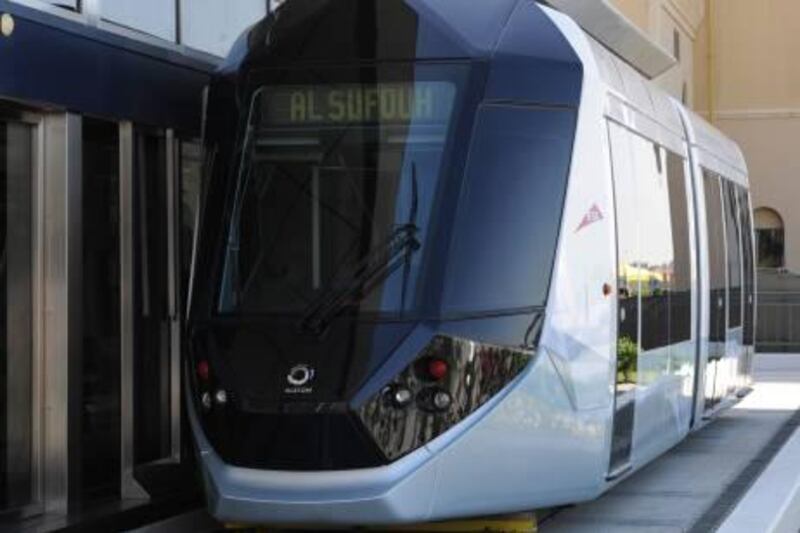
column 334, row 199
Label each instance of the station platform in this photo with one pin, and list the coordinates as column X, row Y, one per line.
column 699, row 485
column 739, row 473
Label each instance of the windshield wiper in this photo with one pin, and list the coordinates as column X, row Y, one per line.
column 369, row 273
column 378, row 265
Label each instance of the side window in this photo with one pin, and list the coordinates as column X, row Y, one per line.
column 716, row 250
column 656, row 257
column 734, row 255
column 748, row 261
column 680, row 310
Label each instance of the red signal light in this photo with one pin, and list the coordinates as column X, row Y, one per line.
column 437, row 369
column 203, row 370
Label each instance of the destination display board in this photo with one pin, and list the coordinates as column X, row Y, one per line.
column 336, row 105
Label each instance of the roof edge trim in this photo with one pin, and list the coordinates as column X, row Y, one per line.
column 613, row 30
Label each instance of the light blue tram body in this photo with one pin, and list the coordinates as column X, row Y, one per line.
column 581, row 271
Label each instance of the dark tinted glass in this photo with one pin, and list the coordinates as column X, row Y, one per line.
column 100, row 426
column 716, row 258
column 770, row 243
column 334, row 176
column 151, row 318
column 680, row 314
column 510, row 209
column 190, row 179
column 734, row 255
column 748, row 261
column 16, row 315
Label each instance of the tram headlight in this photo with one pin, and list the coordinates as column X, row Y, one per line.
column 450, row 379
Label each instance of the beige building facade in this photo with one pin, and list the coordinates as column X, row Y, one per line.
column 738, row 66
column 674, row 25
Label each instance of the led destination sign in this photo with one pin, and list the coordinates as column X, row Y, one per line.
column 393, row 103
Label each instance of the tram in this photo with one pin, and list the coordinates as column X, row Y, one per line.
column 454, row 261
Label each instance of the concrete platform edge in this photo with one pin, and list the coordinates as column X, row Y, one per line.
column 772, row 505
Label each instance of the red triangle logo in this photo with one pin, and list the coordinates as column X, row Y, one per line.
column 593, row 215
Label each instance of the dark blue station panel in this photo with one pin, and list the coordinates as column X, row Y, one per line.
column 51, row 61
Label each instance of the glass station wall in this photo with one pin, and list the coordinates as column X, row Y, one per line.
column 16, row 316
column 116, row 211
column 100, row 372
column 208, row 26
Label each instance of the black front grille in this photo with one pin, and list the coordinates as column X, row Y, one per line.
column 298, row 442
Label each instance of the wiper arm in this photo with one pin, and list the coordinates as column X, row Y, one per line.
column 370, row 272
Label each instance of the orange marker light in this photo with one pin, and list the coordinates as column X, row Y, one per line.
column 607, row 289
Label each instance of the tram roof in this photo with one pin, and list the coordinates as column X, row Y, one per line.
column 530, row 58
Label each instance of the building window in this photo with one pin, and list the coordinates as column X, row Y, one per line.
column 769, row 238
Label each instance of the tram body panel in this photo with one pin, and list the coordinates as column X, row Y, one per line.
column 579, row 328
column 468, row 471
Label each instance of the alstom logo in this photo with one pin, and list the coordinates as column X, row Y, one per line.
column 299, row 379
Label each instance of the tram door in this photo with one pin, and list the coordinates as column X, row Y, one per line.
column 717, row 297
column 733, row 240
column 655, row 359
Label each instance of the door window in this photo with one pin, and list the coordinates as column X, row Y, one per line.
column 654, row 282
column 734, row 255
column 716, row 262
column 680, row 309
column 748, row 254
column 717, row 297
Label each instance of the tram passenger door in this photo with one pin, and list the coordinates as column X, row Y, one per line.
column 655, row 353
column 717, row 295
column 733, row 238
column 749, row 297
